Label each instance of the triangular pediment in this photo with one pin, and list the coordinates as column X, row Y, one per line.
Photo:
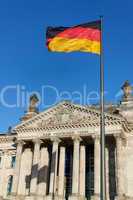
column 67, row 114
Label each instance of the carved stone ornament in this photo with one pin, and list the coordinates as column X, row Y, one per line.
column 64, row 116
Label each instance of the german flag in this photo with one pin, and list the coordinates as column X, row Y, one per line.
column 84, row 37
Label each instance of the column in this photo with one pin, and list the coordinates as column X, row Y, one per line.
column 75, row 176
column 61, row 173
column 4, row 179
column 54, row 162
column 17, row 167
column 35, row 163
column 25, row 171
column 119, row 167
column 107, row 171
column 82, row 171
column 2, row 167
column 28, row 166
column 43, row 172
column 97, row 166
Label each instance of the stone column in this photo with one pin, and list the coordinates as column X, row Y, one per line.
column 119, row 167
column 107, row 171
column 75, row 176
column 4, row 180
column 61, row 177
column 54, row 162
column 28, row 166
column 25, row 171
column 43, row 172
column 97, row 166
column 17, row 167
column 35, row 163
column 2, row 167
column 82, row 172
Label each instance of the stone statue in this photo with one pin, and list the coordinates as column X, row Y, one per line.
column 127, row 90
column 32, row 108
column 33, row 103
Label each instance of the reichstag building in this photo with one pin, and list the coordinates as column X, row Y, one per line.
column 55, row 154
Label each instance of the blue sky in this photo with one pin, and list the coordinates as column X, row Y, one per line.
column 25, row 61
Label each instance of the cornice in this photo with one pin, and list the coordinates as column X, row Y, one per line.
column 29, row 134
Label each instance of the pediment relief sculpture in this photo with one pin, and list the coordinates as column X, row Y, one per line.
column 64, row 116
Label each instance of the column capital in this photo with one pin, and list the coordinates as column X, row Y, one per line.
column 96, row 137
column 120, row 135
column 55, row 140
column 76, row 138
column 37, row 141
column 117, row 135
column 20, row 142
column 120, row 138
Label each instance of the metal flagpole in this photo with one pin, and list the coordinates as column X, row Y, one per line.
column 102, row 121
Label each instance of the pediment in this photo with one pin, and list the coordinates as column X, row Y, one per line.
column 66, row 114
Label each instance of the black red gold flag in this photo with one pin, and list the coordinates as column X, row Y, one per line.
column 83, row 37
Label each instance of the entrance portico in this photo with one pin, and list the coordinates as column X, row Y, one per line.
column 68, row 168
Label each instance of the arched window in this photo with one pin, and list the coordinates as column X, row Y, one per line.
column 9, row 185
column 13, row 160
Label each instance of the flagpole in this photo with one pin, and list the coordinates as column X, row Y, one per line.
column 102, row 121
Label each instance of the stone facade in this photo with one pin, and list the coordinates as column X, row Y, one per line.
column 55, row 154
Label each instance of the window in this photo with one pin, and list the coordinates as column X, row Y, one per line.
column 13, row 161
column 9, row 185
